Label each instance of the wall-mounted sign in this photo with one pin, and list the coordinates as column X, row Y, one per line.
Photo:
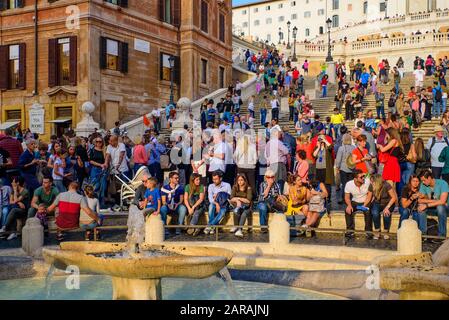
column 37, row 113
column 141, row 45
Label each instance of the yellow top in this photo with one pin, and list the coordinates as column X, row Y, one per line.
column 337, row 118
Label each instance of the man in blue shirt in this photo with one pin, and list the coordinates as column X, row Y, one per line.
column 364, row 79
column 173, row 200
column 154, row 150
column 437, row 92
column 28, row 165
column 434, row 199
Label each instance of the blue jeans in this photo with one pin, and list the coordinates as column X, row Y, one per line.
column 263, row 209
column 396, row 87
column 444, row 104
column 5, row 213
column 137, row 166
column 441, row 212
column 380, row 111
column 263, row 116
column 407, row 169
column 227, row 115
column 98, row 178
column 59, row 185
column 376, row 211
column 337, row 130
column 181, row 211
column 358, row 74
column 295, row 221
column 419, row 217
column 324, row 91
column 437, row 108
column 156, row 171
column 213, row 218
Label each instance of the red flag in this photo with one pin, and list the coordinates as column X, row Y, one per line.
column 146, row 121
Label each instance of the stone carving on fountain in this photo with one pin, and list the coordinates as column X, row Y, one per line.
column 417, row 276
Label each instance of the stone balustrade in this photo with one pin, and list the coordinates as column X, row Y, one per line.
column 422, row 44
column 406, row 24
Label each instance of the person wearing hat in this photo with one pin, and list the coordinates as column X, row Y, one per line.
column 436, row 145
column 269, row 193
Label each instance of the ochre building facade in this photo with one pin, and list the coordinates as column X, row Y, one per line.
column 119, row 54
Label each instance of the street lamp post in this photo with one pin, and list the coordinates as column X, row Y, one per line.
column 295, row 32
column 329, row 54
column 171, row 60
column 288, row 40
column 280, row 35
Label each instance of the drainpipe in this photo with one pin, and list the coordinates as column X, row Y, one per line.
column 36, row 54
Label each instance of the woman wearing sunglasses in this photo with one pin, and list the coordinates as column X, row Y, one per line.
column 98, row 173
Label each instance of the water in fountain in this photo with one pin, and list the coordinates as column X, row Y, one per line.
column 48, row 280
column 136, row 230
column 225, row 276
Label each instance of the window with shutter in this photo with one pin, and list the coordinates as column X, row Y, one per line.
column 165, row 73
column 203, row 71
column 177, row 71
column 124, row 52
column 4, row 58
column 222, row 28
column 73, row 61
column 22, row 66
column 63, row 66
column 52, row 62
column 13, row 72
column 204, row 16
column 176, row 12
column 103, row 44
column 112, row 54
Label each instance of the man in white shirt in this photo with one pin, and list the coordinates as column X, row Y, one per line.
column 357, row 198
column 156, row 114
column 419, row 78
column 116, row 160
column 216, row 155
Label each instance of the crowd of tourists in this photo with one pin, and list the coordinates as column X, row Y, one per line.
column 221, row 165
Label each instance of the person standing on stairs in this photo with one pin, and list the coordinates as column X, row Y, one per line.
column 263, row 105
column 275, row 105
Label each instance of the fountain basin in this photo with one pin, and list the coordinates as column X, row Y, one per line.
column 137, row 276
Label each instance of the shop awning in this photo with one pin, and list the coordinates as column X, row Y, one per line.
column 59, row 121
column 8, row 124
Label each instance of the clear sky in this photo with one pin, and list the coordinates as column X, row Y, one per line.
column 239, row 2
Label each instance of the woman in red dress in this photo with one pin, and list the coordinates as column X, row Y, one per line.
column 395, row 150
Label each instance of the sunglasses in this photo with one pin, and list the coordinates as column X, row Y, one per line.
column 270, row 177
column 98, row 141
column 144, row 181
column 362, row 177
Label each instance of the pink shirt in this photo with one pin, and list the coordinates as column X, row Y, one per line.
column 302, row 171
column 140, row 155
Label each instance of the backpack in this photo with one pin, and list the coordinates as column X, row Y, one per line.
column 165, row 161
column 349, row 162
column 438, row 95
column 434, row 141
column 392, row 101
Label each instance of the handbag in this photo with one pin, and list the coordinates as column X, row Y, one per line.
column 410, row 158
column 383, row 157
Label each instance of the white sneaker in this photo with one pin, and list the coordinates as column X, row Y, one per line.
column 2, row 229
column 233, row 230
column 212, row 231
column 375, row 236
column 239, row 233
column 207, row 230
column 305, row 226
column 12, row 236
column 386, row 237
